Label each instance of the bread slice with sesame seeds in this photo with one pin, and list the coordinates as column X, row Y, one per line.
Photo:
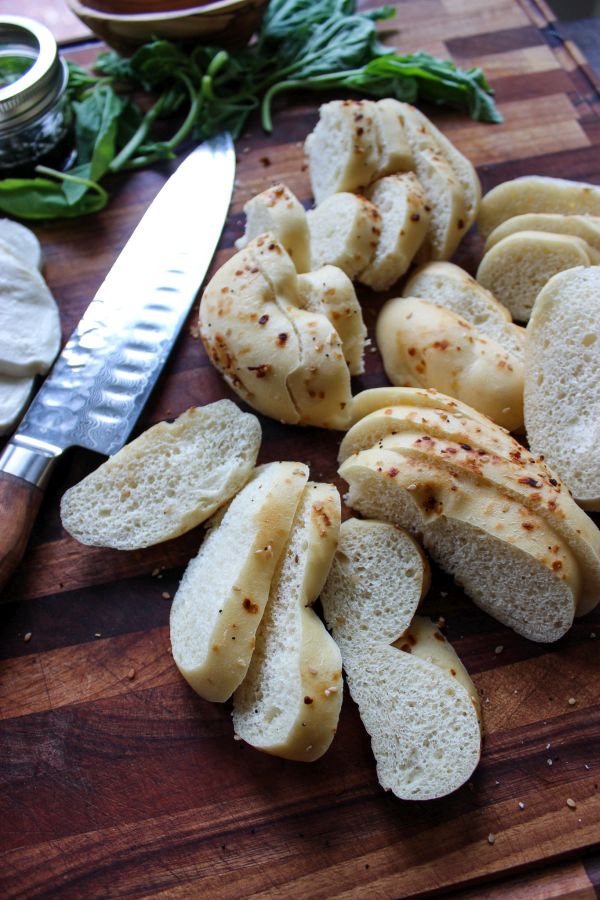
column 517, row 267
column 562, row 393
column 414, row 696
column 329, row 291
column 496, row 548
column 424, row 345
column 450, row 433
column 344, row 232
column 404, row 211
column 343, row 149
column 165, row 482
column 224, row 590
column 278, row 211
column 289, row 702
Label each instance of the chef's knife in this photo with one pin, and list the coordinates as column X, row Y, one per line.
column 103, row 377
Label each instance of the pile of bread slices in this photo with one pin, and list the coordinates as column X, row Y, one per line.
column 242, row 626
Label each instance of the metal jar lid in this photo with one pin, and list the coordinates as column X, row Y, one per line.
column 41, row 86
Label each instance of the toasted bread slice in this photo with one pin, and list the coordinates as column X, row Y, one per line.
column 329, row 291
column 512, row 576
column 425, row 345
column 343, row 150
column 278, row 211
column 289, row 703
column 562, row 391
column 344, row 232
column 224, row 590
column 487, row 453
column 403, row 206
column 518, row 266
column 450, row 286
column 165, row 482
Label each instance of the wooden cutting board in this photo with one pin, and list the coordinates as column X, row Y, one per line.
column 117, row 779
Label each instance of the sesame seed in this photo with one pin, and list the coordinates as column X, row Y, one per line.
column 155, row 572
column 236, row 737
column 98, row 634
column 131, row 674
column 572, row 701
column 28, row 637
column 571, row 804
column 491, row 838
column 498, row 649
column 165, row 595
column 548, row 746
column 312, row 670
column 549, row 761
column 521, row 805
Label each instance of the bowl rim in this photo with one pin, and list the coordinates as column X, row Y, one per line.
column 81, row 9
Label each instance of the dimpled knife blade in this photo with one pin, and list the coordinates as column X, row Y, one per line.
column 103, row 377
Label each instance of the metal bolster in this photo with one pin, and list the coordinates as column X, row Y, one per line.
column 32, row 464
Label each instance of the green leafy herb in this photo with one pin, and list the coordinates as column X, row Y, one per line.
column 302, row 45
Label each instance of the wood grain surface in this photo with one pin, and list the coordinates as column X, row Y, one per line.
column 118, row 781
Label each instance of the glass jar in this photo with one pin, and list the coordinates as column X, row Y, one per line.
column 35, row 115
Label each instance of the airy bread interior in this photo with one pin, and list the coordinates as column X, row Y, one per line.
column 166, row 481
column 344, row 232
column 562, row 392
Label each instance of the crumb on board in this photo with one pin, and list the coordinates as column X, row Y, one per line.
column 491, row 838
column 28, row 637
column 571, row 803
column 131, row 674
column 165, row 595
column 498, row 649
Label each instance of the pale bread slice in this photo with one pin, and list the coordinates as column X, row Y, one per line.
column 395, row 154
column 344, row 232
column 536, row 194
column 404, row 211
column 562, row 390
column 329, row 291
column 29, row 321
column 377, row 579
column 224, row 590
column 22, row 242
column 289, row 702
column 278, row 211
column 445, row 204
column 485, row 452
column 425, row 345
column 14, row 395
column 518, row 266
column 422, row 719
column 342, row 150
column 422, row 133
column 165, row 482
column 248, row 338
column 450, row 286
column 512, row 575
column 585, row 227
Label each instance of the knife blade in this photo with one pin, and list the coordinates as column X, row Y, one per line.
column 99, row 384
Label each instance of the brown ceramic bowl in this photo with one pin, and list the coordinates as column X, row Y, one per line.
column 228, row 23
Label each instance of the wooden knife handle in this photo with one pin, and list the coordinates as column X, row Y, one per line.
column 19, row 505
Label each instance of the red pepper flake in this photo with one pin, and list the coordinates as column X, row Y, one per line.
column 308, row 700
column 453, row 672
column 557, row 565
column 441, row 345
column 393, row 472
column 282, row 339
column 461, row 223
column 528, row 526
column 263, row 319
column 553, row 482
column 249, row 606
column 440, row 637
column 261, row 371
column 415, row 217
column 466, row 446
column 531, row 482
column 412, row 351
